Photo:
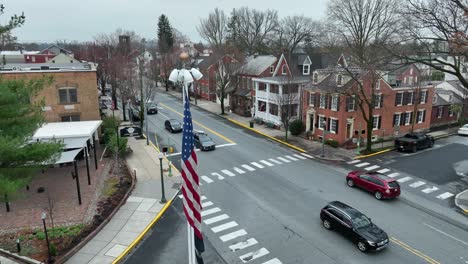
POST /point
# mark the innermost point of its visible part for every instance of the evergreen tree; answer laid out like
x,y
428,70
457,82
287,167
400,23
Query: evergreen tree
x,y
165,35
20,116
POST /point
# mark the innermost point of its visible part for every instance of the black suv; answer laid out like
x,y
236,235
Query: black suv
x,y
203,141
354,225
173,125
151,108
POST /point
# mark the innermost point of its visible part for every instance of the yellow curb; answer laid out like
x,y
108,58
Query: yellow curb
x,y
265,135
373,154
173,167
465,211
142,234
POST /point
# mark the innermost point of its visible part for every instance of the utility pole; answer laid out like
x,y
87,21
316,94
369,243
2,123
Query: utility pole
x,y
142,101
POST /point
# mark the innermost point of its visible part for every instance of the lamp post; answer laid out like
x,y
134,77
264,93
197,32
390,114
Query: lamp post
x,y
323,139
160,157
43,217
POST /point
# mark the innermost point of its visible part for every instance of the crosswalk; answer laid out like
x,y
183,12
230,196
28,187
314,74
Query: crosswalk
x,y
412,183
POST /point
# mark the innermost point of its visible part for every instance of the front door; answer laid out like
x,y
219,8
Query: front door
x,y
349,131
311,122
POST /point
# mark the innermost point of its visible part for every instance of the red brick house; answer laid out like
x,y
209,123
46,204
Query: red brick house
x,y
442,111
403,75
206,86
329,105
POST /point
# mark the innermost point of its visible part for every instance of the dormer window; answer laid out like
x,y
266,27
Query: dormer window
x,y
283,70
450,98
306,69
272,69
339,80
315,77
434,99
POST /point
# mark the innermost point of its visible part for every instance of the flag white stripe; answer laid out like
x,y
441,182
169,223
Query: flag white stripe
x,y
194,186
191,215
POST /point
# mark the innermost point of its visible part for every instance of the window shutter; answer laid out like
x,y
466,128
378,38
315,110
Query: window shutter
x,y
348,101
394,120
402,119
381,101
338,103
425,97
423,115
317,121
405,98
312,99
336,122
412,97
317,100
380,122
410,117
396,99
328,124
418,115
329,101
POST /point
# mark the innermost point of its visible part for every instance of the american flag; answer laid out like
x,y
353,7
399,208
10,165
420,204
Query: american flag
x,y
191,186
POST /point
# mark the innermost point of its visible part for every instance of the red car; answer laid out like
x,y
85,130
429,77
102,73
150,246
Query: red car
x,y
380,185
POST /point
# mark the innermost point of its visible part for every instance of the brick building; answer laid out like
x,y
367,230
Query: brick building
x,y
443,104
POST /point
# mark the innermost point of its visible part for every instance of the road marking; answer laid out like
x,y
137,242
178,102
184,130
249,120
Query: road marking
x,y
445,195
218,175
283,159
254,255
226,145
307,155
207,179
267,163
244,244
239,170
223,227
362,164
233,235
291,158
299,156
206,204
256,165
372,168
405,179
206,128
273,261
210,211
248,167
174,154
216,219
417,184
228,173
430,189
275,161
353,161
443,233
414,251
383,171
393,175
203,197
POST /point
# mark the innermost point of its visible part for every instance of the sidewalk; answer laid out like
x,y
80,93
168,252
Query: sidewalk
x,y
461,201
141,210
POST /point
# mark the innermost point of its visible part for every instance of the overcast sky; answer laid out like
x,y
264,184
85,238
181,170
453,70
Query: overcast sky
x,y
51,20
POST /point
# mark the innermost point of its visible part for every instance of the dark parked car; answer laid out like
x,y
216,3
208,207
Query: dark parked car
x,y
134,114
354,225
413,142
203,141
151,108
173,125
378,184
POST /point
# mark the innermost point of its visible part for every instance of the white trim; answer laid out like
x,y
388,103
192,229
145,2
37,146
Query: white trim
x,y
376,117
401,101
319,121
420,116
325,100
425,97
310,101
304,72
410,102
409,118
331,125
334,97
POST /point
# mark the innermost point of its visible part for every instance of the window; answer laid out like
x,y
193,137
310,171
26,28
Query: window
x,y
450,98
33,58
315,77
312,99
334,102
261,106
273,109
420,117
410,98
274,88
411,71
440,111
333,125
306,69
396,119
410,80
351,103
321,122
376,122
323,101
377,100
404,80
70,118
434,99
272,69
377,85
339,80
399,99
283,70
408,118
423,97
67,95
261,86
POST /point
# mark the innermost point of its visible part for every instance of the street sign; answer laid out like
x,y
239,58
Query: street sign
x,y
130,131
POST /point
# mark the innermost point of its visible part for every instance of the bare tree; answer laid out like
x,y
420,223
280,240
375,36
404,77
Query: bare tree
x,y
225,69
214,29
288,101
296,30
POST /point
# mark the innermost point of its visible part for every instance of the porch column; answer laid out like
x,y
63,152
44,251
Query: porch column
x,y
254,100
94,149
77,179
267,110
87,163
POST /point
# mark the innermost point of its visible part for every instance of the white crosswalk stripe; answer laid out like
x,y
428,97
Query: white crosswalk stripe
x,y
210,211
405,179
307,155
283,159
291,158
383,171
239,170
206,204
217,175
299,156
273,261
267,163
353,161
206,179
372,168
233,235
203,197
430,189
228,173
244,244
417,184
225,226
254,255
393,175
275,161
256,165
445,195
216,219
247,167
362,164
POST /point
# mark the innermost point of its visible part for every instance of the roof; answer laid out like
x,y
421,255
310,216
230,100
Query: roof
x,y
206,62
62,50
62,130
27,67
18,52
256,64
459,86
442,101
281,79
329,83
242,92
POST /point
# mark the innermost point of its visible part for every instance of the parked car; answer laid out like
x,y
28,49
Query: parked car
x,y
203,141
413,142
151,108
376,183
463,131
173,125
354,225
134,113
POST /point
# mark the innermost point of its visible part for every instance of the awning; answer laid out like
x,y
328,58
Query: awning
x,y
68,156
69,143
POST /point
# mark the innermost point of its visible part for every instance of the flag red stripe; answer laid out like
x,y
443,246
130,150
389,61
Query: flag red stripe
x,y
196,212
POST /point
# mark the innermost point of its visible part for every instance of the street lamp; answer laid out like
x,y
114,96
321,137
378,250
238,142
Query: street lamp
x,y
160,157
43,217
323,139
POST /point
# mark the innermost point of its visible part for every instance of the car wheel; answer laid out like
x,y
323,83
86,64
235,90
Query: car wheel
x,y
414,149
362,246
326,224
350,183
431,144
378,195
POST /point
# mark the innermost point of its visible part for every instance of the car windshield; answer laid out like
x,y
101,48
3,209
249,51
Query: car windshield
x,y
175,123
361,221
204,138
393,184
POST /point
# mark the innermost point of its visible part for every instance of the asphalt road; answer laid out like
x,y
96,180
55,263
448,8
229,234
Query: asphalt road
x,y
269,198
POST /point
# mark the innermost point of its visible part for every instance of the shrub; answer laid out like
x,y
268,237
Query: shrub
x,y
296,127
110,122
115,143
332,143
